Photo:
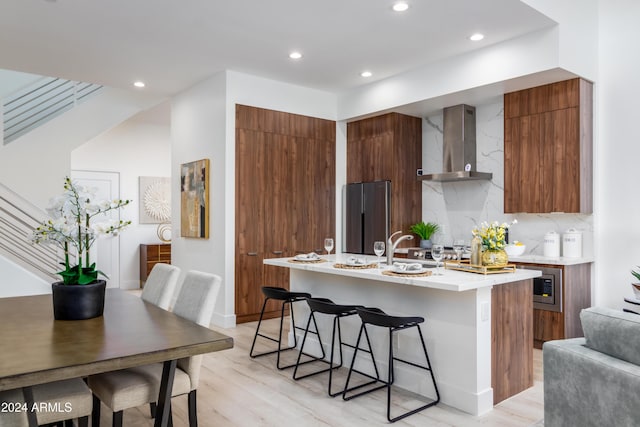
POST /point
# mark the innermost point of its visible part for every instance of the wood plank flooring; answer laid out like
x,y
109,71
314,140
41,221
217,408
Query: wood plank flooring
x,y
236,390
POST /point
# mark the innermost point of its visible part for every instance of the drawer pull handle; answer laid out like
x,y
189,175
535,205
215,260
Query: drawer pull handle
x,y
252,253
277,252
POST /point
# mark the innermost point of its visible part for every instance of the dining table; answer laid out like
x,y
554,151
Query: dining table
x,y
36,349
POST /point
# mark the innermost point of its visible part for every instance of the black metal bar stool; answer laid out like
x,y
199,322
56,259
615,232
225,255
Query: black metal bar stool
x,y
377,317
328,307
287,297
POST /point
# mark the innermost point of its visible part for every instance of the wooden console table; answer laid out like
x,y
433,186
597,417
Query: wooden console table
x,y
151,255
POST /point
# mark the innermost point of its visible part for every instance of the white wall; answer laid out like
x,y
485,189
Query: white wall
x,y
617,151
198,132
16,281
12,81
141,146
578,33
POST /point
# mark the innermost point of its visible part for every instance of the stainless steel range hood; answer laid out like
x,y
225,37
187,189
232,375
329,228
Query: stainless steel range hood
x,y
459,147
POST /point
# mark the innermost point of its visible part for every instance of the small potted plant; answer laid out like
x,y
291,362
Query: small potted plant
x,y
80,294
636,285
425,231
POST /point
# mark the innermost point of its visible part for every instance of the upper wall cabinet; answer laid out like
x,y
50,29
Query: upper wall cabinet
x,y
548,148
389,147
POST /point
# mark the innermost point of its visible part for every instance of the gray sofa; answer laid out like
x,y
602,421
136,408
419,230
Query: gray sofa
x,y
594,381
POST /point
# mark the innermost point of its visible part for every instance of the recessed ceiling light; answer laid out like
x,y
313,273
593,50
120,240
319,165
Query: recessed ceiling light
x,y
295,55
476,37
366,74
139,84
400,6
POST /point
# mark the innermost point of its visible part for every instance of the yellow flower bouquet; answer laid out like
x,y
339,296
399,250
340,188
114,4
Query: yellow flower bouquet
x,y
493,234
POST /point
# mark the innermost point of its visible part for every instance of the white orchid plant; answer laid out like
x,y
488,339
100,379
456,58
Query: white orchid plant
x,y
71,229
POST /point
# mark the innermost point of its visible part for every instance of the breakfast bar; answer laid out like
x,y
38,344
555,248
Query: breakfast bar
x,y
478,328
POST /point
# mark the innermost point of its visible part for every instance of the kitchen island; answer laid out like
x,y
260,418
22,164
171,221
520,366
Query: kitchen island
x,y
478,328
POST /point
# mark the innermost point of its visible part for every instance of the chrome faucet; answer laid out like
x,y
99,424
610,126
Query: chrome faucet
x,y
391,245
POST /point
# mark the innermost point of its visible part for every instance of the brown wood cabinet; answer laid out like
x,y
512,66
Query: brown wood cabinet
x,y
285,197
389,147
576,295
548,148
151,255
511,338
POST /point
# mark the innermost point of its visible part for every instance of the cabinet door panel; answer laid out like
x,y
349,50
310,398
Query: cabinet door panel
x,y
320,181
566,164
547,325
300,206
512,170
277,195
248,283
523,164
249,187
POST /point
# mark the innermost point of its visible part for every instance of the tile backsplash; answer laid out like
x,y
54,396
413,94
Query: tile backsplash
x,y
460,206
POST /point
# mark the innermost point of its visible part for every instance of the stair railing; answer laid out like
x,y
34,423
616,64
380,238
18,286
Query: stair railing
x,y
18,219
36,104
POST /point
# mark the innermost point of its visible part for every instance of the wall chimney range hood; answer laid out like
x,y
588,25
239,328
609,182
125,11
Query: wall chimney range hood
x,y
459,147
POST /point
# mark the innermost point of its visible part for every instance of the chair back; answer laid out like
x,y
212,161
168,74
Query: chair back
x,y
160,285
196,301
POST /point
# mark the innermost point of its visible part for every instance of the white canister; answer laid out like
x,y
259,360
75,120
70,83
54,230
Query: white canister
x,y
572,243
552,244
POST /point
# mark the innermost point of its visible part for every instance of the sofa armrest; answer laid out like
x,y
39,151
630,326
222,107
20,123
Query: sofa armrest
x,y
583,387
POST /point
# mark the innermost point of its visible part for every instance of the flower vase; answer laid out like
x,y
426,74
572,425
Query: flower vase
x,y
78,302
494,258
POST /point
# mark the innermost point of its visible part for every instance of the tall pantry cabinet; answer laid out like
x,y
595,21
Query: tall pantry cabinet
x,y
285,198
389,147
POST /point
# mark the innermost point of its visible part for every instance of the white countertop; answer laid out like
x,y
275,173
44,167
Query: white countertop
x,y
539,259
451,280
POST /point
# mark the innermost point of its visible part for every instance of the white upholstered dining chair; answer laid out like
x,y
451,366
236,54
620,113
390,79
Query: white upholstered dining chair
x,y
63,400
161,285
129,388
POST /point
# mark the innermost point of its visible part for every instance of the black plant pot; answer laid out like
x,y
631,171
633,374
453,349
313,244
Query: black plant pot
x,y
78,302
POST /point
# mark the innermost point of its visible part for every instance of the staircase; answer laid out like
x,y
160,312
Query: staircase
x,y
18,218
47,98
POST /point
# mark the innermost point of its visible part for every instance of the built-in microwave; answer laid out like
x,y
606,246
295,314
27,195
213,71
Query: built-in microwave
x,y
547,289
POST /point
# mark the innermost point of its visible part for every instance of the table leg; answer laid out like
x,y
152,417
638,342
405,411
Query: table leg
x,y
163,410
28,398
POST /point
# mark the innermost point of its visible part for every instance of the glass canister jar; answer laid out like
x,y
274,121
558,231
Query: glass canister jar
x,y
476,250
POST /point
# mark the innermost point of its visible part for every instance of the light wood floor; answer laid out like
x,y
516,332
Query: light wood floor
x,y
236,390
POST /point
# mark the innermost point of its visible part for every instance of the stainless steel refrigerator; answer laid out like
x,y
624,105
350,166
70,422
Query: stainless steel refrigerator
x,y
367,215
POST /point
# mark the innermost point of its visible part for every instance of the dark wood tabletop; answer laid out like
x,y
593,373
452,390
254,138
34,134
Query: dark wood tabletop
x,y
35,348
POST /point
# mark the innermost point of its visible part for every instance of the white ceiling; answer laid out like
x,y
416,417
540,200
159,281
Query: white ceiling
x,y
173,44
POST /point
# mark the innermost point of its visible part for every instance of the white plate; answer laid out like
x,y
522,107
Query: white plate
x,y
306,258
400,271
356,263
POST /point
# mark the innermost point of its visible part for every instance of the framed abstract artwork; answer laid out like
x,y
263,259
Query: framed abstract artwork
x,y
194,199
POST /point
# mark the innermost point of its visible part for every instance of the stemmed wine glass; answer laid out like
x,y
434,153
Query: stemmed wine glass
x,y
378,248
437,252
328,245
458,247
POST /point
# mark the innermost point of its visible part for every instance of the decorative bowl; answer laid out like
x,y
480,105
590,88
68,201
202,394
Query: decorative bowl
x,y
513,249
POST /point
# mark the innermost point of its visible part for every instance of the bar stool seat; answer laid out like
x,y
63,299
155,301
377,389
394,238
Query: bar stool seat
x,y
377,317
328,307
286,297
